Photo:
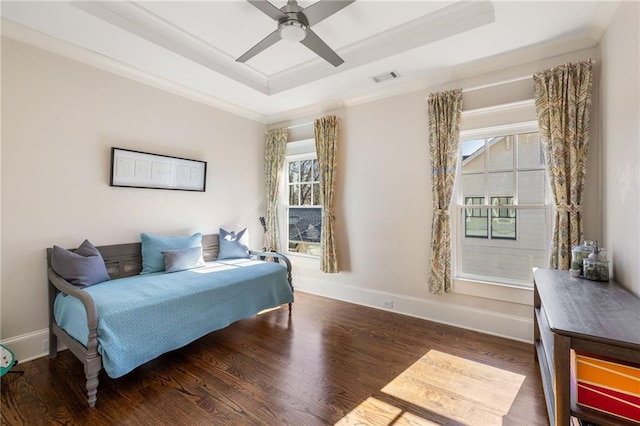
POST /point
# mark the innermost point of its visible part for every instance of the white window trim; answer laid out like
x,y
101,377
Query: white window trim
x,y
296,151
476,286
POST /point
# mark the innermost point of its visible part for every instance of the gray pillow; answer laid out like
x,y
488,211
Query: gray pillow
x,y
153,245
181,260
234,246
82,268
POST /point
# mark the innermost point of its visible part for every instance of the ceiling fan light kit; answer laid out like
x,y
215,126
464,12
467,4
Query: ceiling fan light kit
x,y
292,30
294,24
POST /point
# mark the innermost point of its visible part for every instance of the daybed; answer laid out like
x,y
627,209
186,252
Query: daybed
x,y
131,319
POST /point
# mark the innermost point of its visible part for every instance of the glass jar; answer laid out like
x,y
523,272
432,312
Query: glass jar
x,y
596,269
579,254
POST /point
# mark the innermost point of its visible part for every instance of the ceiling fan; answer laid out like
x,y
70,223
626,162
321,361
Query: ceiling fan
x,y
294,24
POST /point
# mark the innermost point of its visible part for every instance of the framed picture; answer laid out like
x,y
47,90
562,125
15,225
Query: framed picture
x,y
143,170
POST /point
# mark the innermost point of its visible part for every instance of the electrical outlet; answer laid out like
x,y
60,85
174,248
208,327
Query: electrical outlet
x,y
45,345
387,304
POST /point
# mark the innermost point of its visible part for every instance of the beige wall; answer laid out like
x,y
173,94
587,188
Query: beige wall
x,y
59,120
620,51
384,208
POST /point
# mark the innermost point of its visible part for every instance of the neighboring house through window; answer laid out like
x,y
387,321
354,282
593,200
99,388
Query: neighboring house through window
x,y
502,220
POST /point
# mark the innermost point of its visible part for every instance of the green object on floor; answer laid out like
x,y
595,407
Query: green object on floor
x,y
7,360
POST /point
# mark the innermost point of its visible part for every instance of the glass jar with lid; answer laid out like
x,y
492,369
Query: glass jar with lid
x,y
579,254
596,268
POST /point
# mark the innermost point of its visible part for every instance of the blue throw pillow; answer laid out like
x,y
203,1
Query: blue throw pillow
x,y
154,245
234,246
181,260
82,268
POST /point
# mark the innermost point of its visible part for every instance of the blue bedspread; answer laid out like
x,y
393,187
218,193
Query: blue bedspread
x,y
142,317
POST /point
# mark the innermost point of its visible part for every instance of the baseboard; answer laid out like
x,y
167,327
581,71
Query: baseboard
x,y
27,347
489,322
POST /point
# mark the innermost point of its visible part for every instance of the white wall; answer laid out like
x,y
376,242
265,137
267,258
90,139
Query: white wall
x,y
59,120
620,51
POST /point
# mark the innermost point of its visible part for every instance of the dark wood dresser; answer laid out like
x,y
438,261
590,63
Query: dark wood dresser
x,y
599,318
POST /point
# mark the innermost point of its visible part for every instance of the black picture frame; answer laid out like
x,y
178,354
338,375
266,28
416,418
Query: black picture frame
x,y
137,169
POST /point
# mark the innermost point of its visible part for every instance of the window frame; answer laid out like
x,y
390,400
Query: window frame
x,y
458,207
284,196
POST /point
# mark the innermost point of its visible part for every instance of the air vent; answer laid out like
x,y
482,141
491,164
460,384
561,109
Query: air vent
x,y
385,76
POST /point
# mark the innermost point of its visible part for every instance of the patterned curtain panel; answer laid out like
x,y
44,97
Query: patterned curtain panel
x,y
326,133
274,152
563,106
445,110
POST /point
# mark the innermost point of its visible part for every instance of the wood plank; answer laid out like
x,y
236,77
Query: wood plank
x,y
327,363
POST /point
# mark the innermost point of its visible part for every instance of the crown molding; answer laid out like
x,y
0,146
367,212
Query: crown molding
x,y
51,44
134,19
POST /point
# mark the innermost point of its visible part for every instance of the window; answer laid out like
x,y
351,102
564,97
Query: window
x,y
304,209
502,207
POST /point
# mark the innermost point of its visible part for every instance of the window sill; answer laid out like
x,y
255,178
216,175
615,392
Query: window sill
x,y
494,291
303,261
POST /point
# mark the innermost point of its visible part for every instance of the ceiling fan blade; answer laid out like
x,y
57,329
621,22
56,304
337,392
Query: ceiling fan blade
x,y
268,41
268,9
313,42
323,9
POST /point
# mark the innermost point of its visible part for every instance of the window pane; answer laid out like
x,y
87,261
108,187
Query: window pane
x,y
501,184
472,152
476,227
531,187
476,219
501,152
305,225
529,151
294,195
499,260
316,171
306,171
503,227
503,221
305,194
473,185
316,195
294,171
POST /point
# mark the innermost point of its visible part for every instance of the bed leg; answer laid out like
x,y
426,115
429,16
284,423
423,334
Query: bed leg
x,y
290,308
91,370
53,345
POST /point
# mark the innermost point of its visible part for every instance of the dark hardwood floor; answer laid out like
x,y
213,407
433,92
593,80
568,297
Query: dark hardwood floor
x,y
328,363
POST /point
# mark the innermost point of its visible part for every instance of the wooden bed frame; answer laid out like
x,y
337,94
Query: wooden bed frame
x,y
122,260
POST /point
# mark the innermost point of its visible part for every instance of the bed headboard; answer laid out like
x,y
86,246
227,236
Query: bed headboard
x,y
125,260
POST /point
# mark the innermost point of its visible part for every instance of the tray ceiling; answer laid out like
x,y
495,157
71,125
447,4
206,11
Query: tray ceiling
x,y
190,47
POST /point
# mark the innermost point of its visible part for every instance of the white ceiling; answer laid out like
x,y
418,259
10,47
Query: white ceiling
x,y
190,47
